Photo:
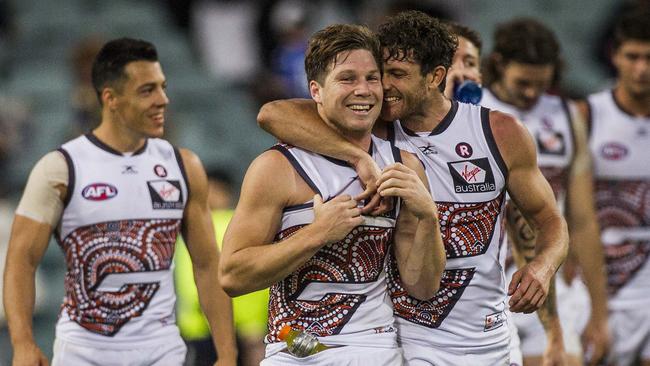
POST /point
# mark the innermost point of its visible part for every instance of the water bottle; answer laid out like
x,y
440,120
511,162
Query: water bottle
x,y
468,92
300,344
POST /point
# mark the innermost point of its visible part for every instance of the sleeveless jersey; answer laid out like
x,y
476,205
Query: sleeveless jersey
x,y
467,177
338,295
117,231
549,123
620,146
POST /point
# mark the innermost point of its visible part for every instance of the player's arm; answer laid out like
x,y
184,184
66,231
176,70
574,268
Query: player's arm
x,y
198,233
250,260
533,196
585,240
419,249
38,212
523,238
296,121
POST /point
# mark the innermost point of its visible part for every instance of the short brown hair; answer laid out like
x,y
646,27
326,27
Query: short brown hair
x,y
326,45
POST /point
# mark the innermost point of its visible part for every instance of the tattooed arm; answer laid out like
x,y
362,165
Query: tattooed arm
x,y
523,238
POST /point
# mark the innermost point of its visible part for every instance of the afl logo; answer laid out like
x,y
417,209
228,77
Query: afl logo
x,y
613,151
160,171
99,192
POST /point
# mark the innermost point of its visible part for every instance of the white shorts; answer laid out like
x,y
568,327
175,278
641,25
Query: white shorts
x,y
630,335
516,358
340,356
170,352
570,300
416,355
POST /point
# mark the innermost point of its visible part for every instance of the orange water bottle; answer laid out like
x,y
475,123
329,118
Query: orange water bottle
x,y
300,344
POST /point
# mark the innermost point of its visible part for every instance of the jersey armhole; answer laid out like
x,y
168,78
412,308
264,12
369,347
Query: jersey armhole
x,y
296,165
181,166
491,142
69,191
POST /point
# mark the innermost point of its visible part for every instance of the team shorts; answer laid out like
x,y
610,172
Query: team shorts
x,y
516,358
169,352
630,336
340,356
416,355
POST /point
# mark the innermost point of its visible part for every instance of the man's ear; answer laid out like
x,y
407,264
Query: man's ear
x,y
436,77
314,90
109,98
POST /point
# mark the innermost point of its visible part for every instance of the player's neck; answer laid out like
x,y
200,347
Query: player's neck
x,y
636,106
433,112
358,138
120,139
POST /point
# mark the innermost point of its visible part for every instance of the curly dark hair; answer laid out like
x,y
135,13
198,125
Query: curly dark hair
x,y
632,25
461,30
417,36
326,44
525,41
109,64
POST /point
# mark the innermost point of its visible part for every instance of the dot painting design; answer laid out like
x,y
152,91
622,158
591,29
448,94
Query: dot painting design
x,y
358,258
95,251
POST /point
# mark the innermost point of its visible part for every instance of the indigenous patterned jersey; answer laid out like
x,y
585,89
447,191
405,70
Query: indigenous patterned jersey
x,y
549,123
620,146
117,231
340,293
467,178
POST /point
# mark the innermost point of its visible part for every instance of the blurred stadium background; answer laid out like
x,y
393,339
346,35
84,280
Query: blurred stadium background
x,y
223,60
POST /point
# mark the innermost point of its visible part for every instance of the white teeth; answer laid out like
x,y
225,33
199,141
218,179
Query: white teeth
x,y
391,99
358,107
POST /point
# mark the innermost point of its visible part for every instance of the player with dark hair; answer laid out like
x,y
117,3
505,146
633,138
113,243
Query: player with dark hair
x,y
619,141
523,66
472,156
324,260
116,199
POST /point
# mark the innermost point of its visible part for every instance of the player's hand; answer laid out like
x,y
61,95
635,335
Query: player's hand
x,y
369,173
457,75
554,354
398,180
529,287
29,355
595,341
336,217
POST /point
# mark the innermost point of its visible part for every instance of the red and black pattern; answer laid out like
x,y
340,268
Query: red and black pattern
x,y
557,178
357,259
623,204
467,228
429,313
96,251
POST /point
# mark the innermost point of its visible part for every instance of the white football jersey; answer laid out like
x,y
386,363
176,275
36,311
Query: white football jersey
x,y
549,123
620,146
339,295
467,178
118,229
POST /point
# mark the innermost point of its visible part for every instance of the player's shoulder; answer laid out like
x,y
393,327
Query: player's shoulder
x,y
506,127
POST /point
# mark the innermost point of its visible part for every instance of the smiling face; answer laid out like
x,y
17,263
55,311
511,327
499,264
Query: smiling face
x,y
404,89
351,93
632,61
139,102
